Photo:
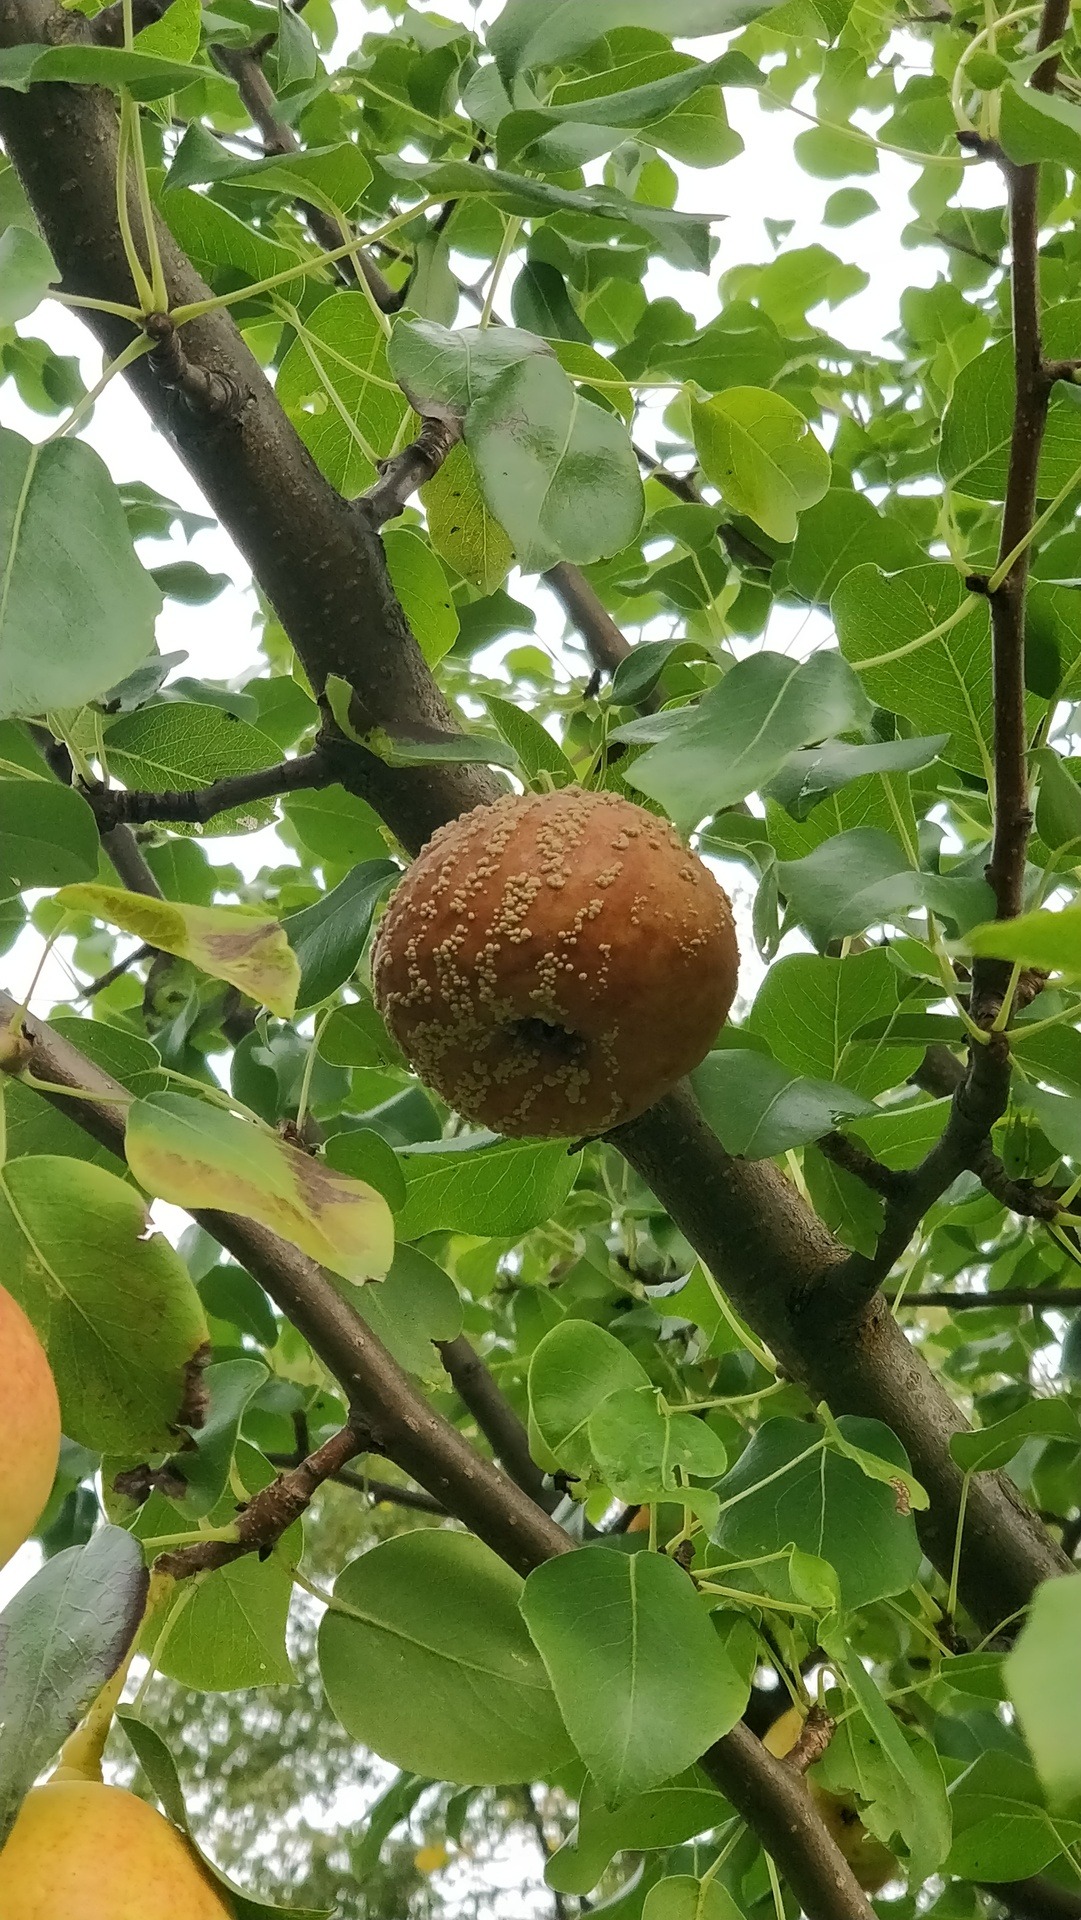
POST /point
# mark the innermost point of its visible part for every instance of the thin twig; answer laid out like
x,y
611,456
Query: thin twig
x,y
272,1511
413,467
115,806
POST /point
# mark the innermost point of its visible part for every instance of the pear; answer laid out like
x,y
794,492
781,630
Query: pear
x,y
80,1850
872,1863
29,1427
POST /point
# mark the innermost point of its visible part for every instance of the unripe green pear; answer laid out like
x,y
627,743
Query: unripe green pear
x,y
83,1851
29,1427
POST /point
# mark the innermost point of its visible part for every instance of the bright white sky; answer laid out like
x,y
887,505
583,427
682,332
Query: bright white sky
x,y
763,183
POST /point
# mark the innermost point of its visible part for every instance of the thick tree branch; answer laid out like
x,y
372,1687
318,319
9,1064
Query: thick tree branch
x,y
496,1418
113,806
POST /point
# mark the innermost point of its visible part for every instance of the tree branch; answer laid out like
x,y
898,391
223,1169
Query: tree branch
x,y
113,805
1045,1299
606,645
496,1418
758,1785
404,472
1012,812
271,1512
378,1490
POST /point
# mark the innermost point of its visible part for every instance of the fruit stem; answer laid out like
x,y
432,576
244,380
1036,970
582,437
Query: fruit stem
x,y
81,1755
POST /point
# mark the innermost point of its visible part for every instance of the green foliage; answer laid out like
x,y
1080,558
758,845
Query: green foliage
x,y
796,526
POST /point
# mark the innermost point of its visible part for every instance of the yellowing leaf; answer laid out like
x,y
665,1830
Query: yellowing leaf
x,y
460,528
239,944
197,1155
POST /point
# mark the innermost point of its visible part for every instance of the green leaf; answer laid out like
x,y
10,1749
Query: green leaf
x,y
682,238
27,271
993,1447
416,1305
197,1155
808,777
539,299
328,937
48,834
824,1505
160,1770
425,1659
422,587
1058,803
231,1633
1041,1673
180,744
936,683
538,754
860,878
571,1374
758,1108
1002,1830
842,531
757,449
483,1184
336,386
521,39
557,472
145,75
356,1036
922,1807
1045,938
114,1306
641,1678
809,1010
740,735
978,421
663,1817
368,1156
449,368
329,176
681,1897
62,1636
1039,126
77,610
336,826
230,1385
638,1446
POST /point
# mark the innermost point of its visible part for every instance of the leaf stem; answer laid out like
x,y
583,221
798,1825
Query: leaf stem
x,y
196,309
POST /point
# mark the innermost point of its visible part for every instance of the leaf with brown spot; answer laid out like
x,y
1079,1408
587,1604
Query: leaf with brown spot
x,y
242,945
197,1155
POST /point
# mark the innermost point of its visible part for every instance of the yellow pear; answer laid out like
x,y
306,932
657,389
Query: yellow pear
x,y
80,1850
29,1427
872,1864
